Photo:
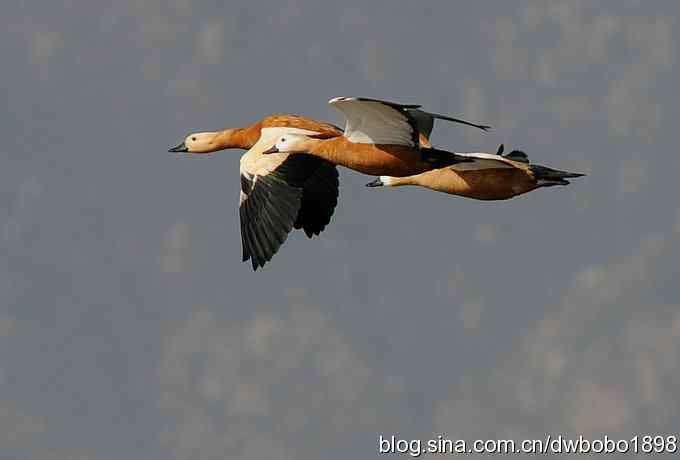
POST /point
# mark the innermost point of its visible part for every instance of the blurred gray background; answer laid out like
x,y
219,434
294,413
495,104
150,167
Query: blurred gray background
x,y
129,328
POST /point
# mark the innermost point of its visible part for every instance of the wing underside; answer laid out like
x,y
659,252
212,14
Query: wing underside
x,y
370,121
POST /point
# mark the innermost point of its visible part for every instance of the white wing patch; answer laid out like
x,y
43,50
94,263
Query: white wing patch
x,y
482,161
374,122
255,163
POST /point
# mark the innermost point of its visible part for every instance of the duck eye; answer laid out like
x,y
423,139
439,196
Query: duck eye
x,y
283,139
193,138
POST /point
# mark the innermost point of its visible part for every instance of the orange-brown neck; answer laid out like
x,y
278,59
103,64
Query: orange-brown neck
x,y
371,159
238,138
326,149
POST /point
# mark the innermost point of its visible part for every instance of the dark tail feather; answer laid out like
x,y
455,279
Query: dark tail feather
x,y
442,158
547,177
518,155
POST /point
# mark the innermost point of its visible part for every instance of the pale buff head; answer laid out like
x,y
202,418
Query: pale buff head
x,y
291,143
200,143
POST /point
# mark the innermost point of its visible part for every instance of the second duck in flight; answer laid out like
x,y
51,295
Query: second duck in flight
x,y
485,177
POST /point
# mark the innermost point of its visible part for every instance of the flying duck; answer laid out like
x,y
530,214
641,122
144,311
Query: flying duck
x,y
278,192
486,177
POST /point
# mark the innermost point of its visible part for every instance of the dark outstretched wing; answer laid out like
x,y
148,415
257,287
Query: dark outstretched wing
x,y
267,212
299,193
320,196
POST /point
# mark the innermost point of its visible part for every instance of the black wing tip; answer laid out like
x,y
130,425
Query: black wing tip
x,y
260,262
485,128
254,261
267,217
